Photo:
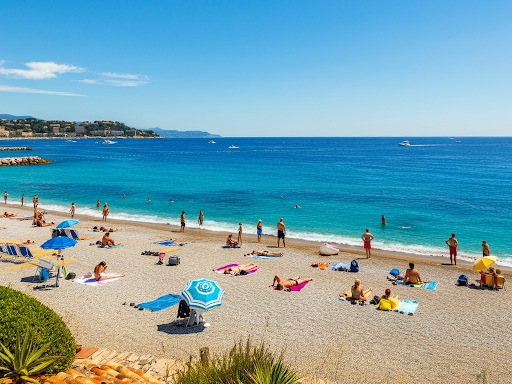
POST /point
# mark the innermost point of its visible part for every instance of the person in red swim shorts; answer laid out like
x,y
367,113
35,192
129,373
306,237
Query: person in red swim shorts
x,y
367,238
453,244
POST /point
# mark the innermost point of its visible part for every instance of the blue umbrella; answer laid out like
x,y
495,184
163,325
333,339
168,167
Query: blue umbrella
x,y
68,223
203,294
59,242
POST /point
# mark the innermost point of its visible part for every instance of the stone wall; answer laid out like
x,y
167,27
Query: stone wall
x,y
27,160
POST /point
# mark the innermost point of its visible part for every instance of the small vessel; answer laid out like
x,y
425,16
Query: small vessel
x,y
328,250
211,142
108,142
404,144
232,147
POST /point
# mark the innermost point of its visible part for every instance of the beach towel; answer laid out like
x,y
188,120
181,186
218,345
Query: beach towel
x,y
407,306
86,238
338,266
263,257
165,242
295,288
430,285
115,246
221,269
320,265
162,302
92,281
228,247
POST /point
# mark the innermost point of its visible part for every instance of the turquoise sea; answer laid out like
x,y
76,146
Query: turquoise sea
x,y
343,185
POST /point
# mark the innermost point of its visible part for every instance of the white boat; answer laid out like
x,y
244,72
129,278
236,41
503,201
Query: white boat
x,y
328,250
404,144
232,147
211,142
108,142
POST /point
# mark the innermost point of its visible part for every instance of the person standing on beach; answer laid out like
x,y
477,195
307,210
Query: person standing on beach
x,y
259,230
200,219
182,229
240,234
5,197
105,211
22,199
35,200
72,210
383,220
453,244
367,238
486,249
98,204
281,232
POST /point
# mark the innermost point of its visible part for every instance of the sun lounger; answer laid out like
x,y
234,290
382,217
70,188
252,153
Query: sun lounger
x,y
25,252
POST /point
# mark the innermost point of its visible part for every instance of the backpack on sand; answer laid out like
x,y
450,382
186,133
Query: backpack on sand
x,y
354,266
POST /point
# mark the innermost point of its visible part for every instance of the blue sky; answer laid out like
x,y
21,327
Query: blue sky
x,y
263,68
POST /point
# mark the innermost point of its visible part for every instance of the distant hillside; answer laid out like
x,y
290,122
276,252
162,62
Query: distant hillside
x,y
182,134
11,117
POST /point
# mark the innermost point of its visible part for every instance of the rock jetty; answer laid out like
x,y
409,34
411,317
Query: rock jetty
x,y
27,160
16,149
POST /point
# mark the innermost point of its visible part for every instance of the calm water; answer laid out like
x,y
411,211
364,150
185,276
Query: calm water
x,y
343,185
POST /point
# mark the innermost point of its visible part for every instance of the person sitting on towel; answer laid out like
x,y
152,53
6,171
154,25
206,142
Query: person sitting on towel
x,y
266,253
230,242
283,284
357,292
99,269
108,241
412,276
388,302
240,269
387,295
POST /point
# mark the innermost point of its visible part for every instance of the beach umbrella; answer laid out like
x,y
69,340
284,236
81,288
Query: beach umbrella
x,y
484,263
203,294
68,223
59,242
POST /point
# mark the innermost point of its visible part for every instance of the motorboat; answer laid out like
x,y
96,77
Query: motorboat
x,y
108,142
232,147
328,250
404,144
211,142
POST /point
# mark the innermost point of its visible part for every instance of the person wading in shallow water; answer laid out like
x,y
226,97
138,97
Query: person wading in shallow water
x,y
453,244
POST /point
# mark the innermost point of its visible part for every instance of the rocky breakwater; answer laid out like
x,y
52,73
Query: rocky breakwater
x,y
16,149
27,160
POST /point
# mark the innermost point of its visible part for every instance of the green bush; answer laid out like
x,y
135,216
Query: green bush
x,y
19,312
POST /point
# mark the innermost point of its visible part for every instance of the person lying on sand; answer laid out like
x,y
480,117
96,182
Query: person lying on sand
x,y
9,215
105,229
99,269
230,242
107,241
28,242
283,284
241,269
265,253
357,292
2,227
43,223
412,276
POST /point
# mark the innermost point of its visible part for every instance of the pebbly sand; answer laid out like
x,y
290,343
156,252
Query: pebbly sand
x,y
455,333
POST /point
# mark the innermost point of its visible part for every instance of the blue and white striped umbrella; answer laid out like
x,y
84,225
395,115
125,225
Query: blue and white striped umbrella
x,y
203,294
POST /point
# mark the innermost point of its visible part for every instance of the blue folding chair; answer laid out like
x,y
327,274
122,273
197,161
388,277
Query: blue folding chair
x,y
12,251
3,251
74,234
25,252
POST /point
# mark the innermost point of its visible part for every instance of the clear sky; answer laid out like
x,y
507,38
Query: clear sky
x,y
263,68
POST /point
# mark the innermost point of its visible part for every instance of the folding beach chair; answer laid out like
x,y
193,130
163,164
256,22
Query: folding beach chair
x,y
13,251
3,251
74,234
45,270
25,252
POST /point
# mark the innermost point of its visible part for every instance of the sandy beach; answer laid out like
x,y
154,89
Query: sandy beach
x,y
454,334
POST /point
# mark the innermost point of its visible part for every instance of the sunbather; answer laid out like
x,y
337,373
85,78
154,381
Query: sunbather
x,y
266,253
412,276
240,269
105,229
43,223
230,242
357,292
282,284
99,269
28,242
8,215
106,240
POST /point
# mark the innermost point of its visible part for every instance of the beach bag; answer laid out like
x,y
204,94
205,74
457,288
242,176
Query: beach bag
x,y
183,310
385,305
174,260
462,281
354,266
70,276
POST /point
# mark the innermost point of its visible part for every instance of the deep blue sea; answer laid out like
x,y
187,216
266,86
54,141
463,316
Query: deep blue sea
x,y
343,185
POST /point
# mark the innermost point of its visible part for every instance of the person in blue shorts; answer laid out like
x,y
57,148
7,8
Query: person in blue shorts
x,y
259,230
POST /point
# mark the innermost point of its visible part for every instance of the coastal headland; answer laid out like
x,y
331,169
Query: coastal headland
x,y
322,336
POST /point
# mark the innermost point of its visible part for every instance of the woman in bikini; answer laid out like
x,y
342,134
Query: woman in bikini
x,y
99,269
105,211
357,292
283,284
266,253
240,269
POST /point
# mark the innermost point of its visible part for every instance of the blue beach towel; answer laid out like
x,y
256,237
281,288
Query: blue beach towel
x,y
228,247
263,257
117,246
162,302
407,306
337,266
165,242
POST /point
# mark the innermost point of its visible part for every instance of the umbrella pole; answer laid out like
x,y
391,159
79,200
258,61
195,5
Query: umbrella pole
x,y
58,268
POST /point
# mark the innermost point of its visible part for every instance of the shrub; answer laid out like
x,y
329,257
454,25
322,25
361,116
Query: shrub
x,y
20,312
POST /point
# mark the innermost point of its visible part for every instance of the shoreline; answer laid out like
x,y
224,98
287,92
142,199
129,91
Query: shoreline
x,y
272,240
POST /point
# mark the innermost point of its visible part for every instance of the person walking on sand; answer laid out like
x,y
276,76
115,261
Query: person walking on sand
x,y
367,238
281,232
72,210
5,197
182,229
105,211
200,219
453,244
22,199
240,234
35,200
486,249
259,230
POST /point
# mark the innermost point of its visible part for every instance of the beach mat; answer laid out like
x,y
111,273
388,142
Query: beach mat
x,y
164,242
295,288
115,246
263,257
431,285
407,306
85,352
167,250
162,302
91,281
228,247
